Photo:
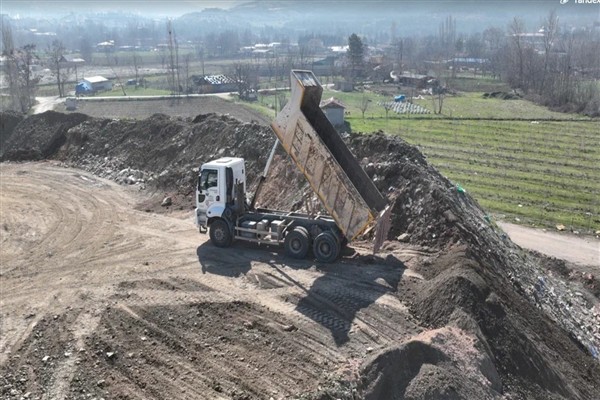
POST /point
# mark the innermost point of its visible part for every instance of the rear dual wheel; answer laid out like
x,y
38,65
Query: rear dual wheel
x,y
326,247
297,243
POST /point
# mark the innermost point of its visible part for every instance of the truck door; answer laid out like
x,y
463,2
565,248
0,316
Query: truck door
x,y
208,190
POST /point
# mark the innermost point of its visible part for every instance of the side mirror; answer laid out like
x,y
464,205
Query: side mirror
x,y
218,198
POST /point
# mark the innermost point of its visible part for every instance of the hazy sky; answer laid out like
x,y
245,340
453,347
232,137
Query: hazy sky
x,y
146,7
174,8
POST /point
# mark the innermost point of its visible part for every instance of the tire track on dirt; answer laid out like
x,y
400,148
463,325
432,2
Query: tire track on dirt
x,y
219,324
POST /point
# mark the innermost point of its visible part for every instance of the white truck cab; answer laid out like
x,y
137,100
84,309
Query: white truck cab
x,y
216,189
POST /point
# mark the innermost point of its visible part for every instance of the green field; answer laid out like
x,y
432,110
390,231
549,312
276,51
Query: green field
x,y
522,162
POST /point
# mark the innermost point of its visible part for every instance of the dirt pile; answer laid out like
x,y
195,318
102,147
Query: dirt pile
x,y
525,324
445,363
163,151
8,121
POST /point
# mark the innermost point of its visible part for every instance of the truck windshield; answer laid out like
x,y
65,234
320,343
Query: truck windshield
x,y
208,179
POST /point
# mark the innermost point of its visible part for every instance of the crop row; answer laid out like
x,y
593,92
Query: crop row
x,y
523,191
505,133
522,175
553,165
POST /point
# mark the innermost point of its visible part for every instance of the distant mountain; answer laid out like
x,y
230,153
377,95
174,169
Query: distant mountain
x,y
367,17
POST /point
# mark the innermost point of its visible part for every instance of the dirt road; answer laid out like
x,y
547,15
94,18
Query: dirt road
x,y
579,250
46,103
101,300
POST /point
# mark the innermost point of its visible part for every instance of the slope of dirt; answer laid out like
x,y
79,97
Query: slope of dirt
x,y
540,332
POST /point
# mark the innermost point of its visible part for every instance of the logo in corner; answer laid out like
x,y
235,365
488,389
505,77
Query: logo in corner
x,y
564,1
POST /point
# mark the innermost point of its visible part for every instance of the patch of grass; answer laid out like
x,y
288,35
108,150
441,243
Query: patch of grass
x,y
542,174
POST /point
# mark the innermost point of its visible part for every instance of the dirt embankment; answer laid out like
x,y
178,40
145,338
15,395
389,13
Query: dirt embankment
x,y
530,333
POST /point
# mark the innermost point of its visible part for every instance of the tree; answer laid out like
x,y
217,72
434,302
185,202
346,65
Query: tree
x,y
17,70
364,104
86,50
550,30
57,51
187,59
246,77
387,106
516,29
447,42
355,54
136,61
173,77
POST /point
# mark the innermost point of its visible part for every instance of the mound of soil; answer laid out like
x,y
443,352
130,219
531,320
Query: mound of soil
x,y
528,325
8,121
446,363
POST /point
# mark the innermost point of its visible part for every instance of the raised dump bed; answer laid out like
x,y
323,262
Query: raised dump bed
x,y
344,188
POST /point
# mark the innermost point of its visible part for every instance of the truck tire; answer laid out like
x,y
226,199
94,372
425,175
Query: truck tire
x,y
326,247
297,243
220,234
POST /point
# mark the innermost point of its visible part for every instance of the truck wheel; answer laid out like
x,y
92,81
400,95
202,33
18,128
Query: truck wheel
x,y
296,243
326,247
220,235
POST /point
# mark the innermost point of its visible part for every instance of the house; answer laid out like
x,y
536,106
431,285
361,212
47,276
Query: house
x,y
213,83
97,83
334,111
68,60
343,86
414,80
324,66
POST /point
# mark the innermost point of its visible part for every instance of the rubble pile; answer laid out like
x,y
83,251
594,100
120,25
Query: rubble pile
x,y
540,332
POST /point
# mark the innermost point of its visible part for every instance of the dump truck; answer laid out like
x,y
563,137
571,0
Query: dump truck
x,y
351,200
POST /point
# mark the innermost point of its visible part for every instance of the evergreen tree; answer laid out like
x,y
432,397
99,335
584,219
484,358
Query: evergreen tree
x,y
355,55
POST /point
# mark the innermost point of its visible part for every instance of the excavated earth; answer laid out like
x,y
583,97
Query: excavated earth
x,y
108,294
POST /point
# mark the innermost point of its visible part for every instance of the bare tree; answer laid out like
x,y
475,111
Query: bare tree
x,y
387,106
174,81
364,104
270,64
136,61
10,67
516,29
57,51
17,70
550,30
246,77
85,49
187,59
447,42
305,53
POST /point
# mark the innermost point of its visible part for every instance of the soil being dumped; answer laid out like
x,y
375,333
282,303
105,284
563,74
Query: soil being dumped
x,y
497,321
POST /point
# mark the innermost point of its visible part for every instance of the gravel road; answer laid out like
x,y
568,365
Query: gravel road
x,y
579,250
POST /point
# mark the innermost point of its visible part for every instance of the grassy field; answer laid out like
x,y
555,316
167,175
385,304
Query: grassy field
x,y
522,162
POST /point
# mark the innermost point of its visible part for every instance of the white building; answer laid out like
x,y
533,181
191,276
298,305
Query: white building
x,y
334,111
98,83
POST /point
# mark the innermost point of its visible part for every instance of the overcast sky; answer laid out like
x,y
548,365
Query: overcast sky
x,y
175,8
146,7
